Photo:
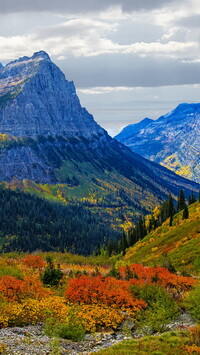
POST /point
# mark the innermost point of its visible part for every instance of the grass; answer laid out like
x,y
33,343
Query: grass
x,y
166,344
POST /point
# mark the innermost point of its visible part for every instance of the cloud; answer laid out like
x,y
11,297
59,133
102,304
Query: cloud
x,y
101,90
78,6
191,22
128,70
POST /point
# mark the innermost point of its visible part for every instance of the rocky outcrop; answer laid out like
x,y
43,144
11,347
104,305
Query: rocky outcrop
x,y
36,99
173,140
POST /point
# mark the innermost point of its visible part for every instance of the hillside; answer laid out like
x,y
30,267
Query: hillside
x,y
178,245
51,146
173,140
29,223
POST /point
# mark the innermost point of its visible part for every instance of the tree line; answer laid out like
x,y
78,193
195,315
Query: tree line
x,y
146,224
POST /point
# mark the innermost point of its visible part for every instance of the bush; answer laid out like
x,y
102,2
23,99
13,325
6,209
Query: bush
x,y
192,304
72,329
161,309
51,275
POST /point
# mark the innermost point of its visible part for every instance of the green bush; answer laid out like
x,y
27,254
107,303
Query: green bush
x,y
161,309
72,329
51,275
192,304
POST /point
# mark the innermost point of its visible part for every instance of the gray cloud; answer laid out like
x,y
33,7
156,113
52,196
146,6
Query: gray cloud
x,y
129,70
192,21
79,6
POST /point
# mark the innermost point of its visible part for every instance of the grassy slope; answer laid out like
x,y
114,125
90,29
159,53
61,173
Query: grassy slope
x,y
180,244
167,343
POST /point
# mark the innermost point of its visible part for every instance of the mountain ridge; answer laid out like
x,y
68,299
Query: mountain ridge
x,y
173,140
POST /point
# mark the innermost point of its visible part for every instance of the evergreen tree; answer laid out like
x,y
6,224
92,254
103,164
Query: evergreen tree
x,y
181,201
185,212
124,243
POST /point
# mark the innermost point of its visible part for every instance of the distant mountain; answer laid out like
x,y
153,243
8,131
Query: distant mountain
x,y
173,140
50,145
131,129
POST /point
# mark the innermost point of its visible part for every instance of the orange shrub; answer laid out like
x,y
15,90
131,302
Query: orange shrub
x,y
33,261
10,288
138,273
32,288
109,291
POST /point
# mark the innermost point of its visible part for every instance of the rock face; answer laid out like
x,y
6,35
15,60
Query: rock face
x,y
47,137
36,99
173,140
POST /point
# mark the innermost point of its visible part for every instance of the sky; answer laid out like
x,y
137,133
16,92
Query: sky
x,y
129,59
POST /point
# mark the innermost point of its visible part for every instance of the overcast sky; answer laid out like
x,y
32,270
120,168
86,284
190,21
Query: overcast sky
x,y
129,59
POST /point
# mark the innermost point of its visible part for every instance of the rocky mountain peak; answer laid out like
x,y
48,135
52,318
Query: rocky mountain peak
x,y
173,140
36,99
41,55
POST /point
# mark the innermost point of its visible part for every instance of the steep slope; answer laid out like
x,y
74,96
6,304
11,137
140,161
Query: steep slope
x,y
173,140
47,137
179,244
42,102
29,223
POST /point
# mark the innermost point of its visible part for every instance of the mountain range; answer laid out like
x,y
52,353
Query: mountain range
x,y
51,145
173,140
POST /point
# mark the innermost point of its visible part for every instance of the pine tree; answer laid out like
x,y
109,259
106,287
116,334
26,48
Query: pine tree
x,y
185,213
181,201
171,209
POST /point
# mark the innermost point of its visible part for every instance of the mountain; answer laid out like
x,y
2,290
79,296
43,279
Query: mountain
x,y
52,146
132,129
173,140
178,245
36,99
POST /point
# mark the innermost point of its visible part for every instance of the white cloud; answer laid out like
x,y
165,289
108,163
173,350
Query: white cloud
x,y
105,89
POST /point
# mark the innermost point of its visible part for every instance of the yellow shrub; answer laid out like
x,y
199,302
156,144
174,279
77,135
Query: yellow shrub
x,y
97,315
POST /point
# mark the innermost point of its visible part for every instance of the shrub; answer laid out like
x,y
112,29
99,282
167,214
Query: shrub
x,y
192,303
161,307
33,261
108,291
72,329
51,275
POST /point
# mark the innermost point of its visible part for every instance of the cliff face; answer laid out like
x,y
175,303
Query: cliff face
x,y
36,99
47,137
173,141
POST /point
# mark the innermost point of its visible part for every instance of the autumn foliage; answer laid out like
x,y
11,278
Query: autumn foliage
x,y
98,300
138,274
108,291
33,261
